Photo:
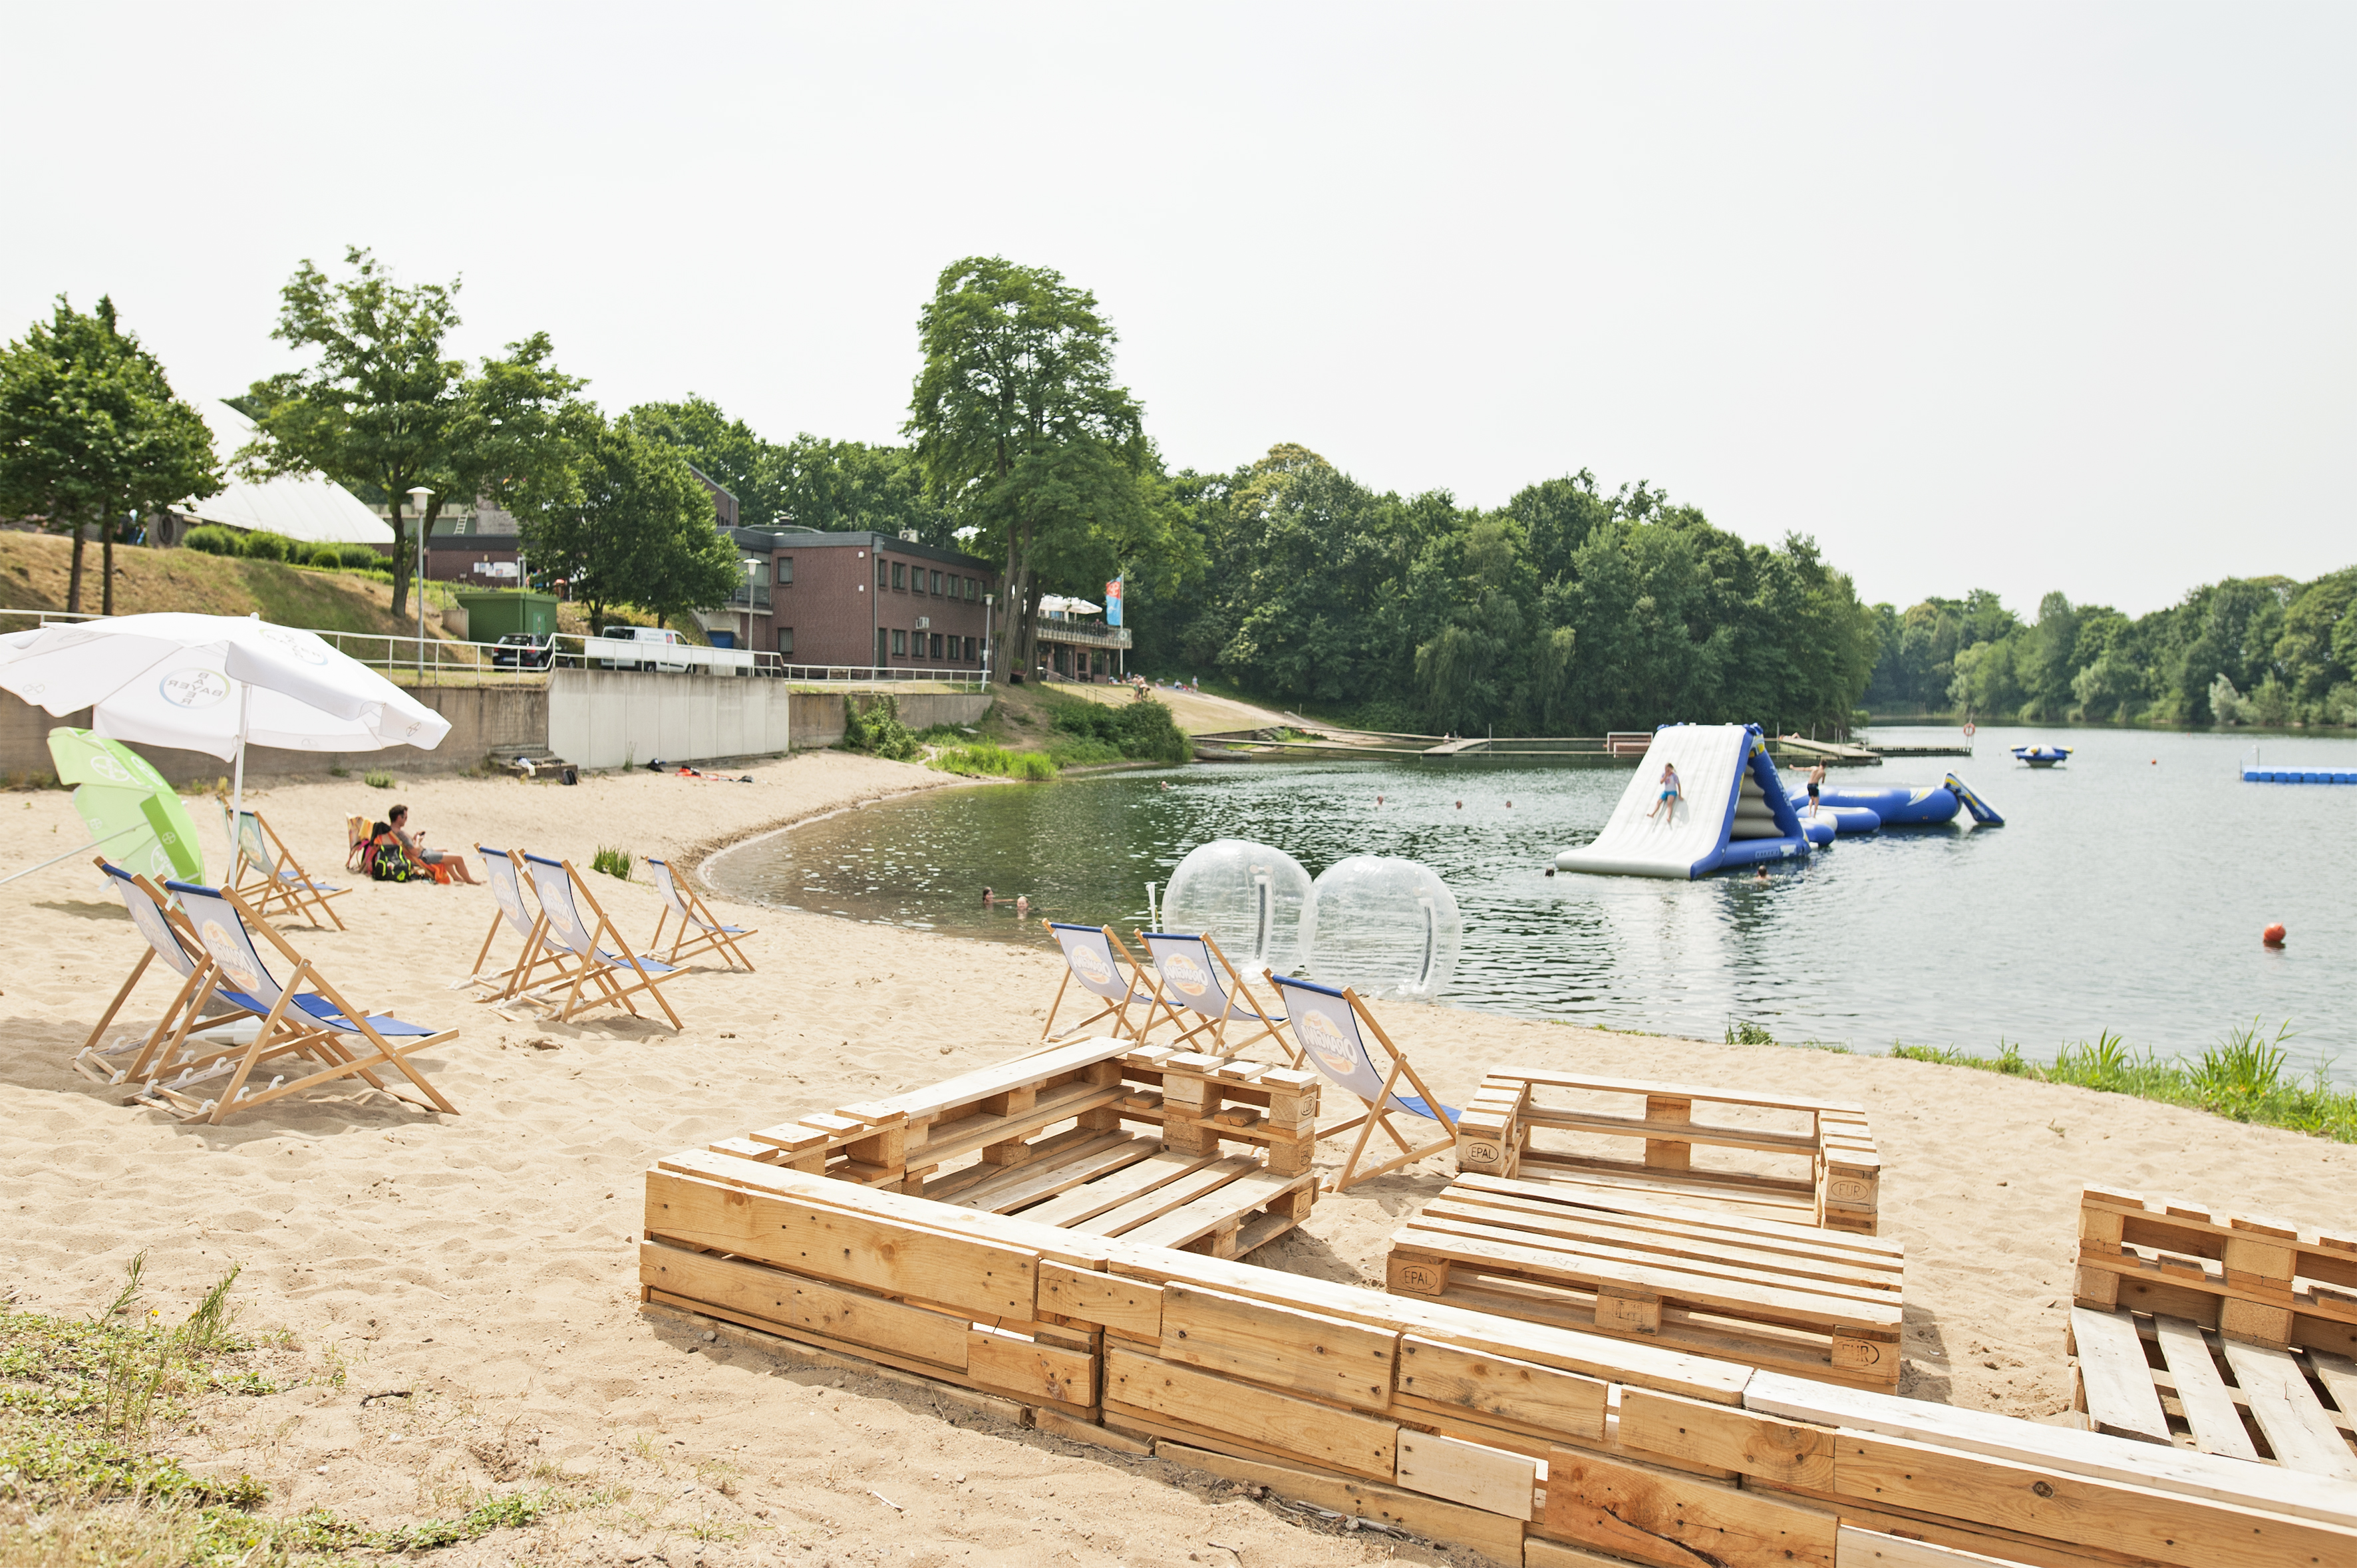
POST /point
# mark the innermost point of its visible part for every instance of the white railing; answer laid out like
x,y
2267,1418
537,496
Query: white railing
x,y
435,661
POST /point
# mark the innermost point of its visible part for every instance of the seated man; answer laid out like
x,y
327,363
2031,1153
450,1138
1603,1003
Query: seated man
x,y
443,863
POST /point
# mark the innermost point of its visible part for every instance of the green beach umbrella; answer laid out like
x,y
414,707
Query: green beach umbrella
x,y
134,818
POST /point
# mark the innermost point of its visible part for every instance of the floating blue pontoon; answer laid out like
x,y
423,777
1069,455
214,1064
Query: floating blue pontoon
x,y
2042,756
2300,775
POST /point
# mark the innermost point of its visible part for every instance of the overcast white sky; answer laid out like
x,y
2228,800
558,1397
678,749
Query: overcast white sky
x,y
2023,297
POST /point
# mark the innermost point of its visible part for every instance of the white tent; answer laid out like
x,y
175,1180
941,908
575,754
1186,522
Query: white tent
x,y
1057,605
311,508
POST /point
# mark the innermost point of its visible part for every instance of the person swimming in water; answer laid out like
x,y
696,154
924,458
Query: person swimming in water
x,y
1670,796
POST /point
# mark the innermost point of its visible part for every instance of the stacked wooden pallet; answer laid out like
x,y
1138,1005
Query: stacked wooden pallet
x,y
1524,1443
1821,1168
2226,1334
1799,1299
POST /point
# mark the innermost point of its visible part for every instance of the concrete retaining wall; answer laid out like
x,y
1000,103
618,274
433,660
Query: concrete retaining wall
x,y
818,716
619,718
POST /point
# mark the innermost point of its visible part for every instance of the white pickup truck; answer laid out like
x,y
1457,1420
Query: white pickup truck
x,y
664,651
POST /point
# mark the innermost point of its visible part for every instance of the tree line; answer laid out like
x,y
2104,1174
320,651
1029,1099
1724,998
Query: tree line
x,y
2264,650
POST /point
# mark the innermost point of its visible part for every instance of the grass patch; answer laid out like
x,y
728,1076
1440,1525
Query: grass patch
x,y
614,863
1080,731
2241,1078
874,726
376,780
984,760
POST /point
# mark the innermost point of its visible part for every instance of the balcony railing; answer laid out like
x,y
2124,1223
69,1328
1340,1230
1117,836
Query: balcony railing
x,y
1083,634
752,596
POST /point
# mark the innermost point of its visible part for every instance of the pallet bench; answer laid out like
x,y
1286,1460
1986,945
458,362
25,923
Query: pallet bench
x,y
1524,1443
1817,1303
1819,1167
2224,1334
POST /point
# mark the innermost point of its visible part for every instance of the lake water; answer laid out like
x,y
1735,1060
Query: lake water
x,y
2125,892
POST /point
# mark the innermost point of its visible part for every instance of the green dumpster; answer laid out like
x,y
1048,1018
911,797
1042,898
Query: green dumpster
x,y
493,615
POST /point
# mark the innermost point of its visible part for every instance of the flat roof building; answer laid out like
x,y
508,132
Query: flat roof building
x,y
859,601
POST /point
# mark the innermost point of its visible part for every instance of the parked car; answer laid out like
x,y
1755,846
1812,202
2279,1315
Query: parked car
x,y
660,636
525,650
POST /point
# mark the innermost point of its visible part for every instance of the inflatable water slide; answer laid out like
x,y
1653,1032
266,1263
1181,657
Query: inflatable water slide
x,y
1735,811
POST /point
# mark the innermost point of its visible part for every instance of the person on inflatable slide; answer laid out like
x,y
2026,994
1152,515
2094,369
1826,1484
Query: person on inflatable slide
x,y
1670,794
1816,783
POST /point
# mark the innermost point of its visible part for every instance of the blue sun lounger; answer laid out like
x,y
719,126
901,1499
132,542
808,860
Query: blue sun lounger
x,y
502,868
617,973
1098,959
1196,976
1327,1023
699,930
279,879
315,1021
170,939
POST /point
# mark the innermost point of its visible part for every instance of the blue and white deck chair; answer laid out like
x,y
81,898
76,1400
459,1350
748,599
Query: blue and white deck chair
x,y
1196,976
305,1016
699,931
1332,1026
1096,958
278,877
170,939
503,869
616,973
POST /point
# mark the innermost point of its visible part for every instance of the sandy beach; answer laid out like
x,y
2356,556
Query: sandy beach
x,y
485,1262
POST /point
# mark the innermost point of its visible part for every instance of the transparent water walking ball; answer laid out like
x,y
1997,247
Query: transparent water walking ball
x,y
1385,927
1253,898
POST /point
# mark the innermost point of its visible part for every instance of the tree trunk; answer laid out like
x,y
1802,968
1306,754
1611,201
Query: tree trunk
x,y
106,566
401,553
74,583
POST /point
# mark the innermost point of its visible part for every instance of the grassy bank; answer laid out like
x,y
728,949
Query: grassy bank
x,y
2241,1078
35,567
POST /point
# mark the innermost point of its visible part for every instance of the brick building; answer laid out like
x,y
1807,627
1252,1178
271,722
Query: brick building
x,y
860,601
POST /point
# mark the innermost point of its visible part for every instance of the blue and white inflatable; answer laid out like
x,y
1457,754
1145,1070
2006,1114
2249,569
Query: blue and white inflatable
x,y
1733,810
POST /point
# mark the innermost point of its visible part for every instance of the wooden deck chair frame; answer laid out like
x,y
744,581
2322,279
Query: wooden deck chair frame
x,y
192,960
1140,988
596,964
283,879
538,952
1383,1106
699,930
289,1029
1213,1025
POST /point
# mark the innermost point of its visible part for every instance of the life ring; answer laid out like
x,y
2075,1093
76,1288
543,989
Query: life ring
x,y
1968,729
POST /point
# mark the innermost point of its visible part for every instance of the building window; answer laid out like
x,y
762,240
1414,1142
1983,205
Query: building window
x,y
900,644
785,571
900,576
785,639
937,584
937,648
880,578
970,587
969,651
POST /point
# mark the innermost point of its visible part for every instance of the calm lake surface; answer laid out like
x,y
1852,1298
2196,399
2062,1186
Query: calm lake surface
x,y
2127,890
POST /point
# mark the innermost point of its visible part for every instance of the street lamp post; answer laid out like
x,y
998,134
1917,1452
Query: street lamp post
x,y
987,653
418,496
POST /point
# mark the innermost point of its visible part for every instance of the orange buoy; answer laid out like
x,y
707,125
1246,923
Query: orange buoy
x,y
2272,936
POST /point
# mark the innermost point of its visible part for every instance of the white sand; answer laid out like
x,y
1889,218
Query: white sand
x,y
486,1260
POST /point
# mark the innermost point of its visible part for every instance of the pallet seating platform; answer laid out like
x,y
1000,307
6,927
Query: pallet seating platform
x,y
1819,1303
2224,1334
1795,1161
884,1234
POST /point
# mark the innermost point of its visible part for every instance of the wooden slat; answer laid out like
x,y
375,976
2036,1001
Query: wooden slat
x,y
1573,1198
1337,1439
1009,1193
1213,1210
1856,1548
1666,1517
2339,1375
1785,1202
1162,1200
950,1139
1502,1387
1030,1368
1113,1301
792,1301
934,1099
2297,1425
2121,1398
1551,1079
1496,1538
2209,1408
1489,1479
1723,1243
1281,1347
1092,1199
1798,1145
1699,1433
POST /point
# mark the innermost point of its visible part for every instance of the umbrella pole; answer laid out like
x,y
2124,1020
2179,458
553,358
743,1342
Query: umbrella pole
x,y
70,853
237,770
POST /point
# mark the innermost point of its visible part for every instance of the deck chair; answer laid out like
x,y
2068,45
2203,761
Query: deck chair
x,y
1098,959
297,1022
276,878
503,869
612,974
169,937
1329,1023
1196,976
698,930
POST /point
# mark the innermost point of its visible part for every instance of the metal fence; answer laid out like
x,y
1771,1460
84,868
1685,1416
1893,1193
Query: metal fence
x,y
438,661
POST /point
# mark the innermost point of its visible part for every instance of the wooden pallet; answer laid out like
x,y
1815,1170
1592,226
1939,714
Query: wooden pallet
x,y
1795,1297
1819,1167
2255,1280
2166,1379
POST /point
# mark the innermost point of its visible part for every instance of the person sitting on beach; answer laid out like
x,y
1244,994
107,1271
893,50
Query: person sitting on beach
x,y
1670,794
441,862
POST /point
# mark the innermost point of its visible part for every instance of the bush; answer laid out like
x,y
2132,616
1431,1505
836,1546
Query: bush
x,y
1141,731
363,558
271,547
612,862
377,780
212,540
875,727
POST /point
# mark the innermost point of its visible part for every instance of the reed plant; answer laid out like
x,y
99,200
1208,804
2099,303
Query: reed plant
x,y
613,861
983,759
2242,1077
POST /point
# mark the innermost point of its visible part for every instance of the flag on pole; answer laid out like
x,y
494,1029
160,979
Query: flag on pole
x,y
1112,602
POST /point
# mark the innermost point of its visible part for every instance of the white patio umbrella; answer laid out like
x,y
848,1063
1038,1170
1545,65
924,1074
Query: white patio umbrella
x,y
213,683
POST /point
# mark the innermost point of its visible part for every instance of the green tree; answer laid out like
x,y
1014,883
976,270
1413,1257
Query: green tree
x,y
726,450
381,409
629,524
92,433
1019,426
839,487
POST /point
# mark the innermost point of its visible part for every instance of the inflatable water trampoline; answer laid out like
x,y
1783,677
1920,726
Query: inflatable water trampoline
x,y
2041,755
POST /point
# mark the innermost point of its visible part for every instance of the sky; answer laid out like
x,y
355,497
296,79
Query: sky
x,y
2023,297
